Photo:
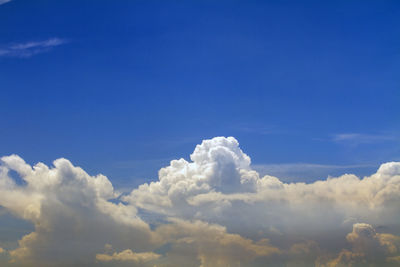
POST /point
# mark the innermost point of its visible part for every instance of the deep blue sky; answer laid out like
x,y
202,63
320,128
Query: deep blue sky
x,y
133,84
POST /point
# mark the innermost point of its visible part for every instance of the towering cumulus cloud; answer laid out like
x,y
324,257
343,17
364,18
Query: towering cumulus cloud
x,y
211,211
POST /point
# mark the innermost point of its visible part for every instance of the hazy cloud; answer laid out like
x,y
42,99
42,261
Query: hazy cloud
x,y
307,172
127,255
359,138
4,1
28,49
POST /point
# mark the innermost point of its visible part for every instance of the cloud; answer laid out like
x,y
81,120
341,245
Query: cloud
x,y
28,49
307,172
359,138
71,213
128,255
213,245
368,248
219,184
214,210
4,1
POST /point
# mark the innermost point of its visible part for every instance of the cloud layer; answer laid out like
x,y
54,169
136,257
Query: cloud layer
x,y
214,210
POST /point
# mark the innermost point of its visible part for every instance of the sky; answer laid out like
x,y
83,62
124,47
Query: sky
x,y
306,90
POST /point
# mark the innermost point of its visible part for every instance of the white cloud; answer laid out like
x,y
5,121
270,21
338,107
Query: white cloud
x,y
219,184
359,138
4,1
71,212
28,49
214,210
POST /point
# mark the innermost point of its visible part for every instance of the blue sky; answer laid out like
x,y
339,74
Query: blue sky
x,y
309,89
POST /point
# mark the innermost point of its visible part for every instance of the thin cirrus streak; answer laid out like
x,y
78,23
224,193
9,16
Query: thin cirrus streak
x,y
358,138
29,49
4,1
213,210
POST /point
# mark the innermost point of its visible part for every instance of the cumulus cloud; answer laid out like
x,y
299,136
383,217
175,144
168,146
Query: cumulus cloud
x,y
213,210
71,213
219,185
28,49
368,248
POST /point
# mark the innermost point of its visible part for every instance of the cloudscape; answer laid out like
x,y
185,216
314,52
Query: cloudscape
x,y
213,210
199,133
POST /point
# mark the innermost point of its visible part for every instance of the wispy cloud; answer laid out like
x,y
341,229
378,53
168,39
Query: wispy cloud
x,y
28,49
360,138
4,1
308,172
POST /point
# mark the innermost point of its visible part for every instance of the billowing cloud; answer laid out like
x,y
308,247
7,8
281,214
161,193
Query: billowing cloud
x,y
28,49
214,210
71,213
368,248
219,185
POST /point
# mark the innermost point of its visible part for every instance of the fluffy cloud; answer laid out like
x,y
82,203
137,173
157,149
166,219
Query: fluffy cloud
x,y
70,212
219,165
219,186
214,210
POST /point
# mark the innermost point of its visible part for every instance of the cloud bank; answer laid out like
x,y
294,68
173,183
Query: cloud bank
x,y
211,211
